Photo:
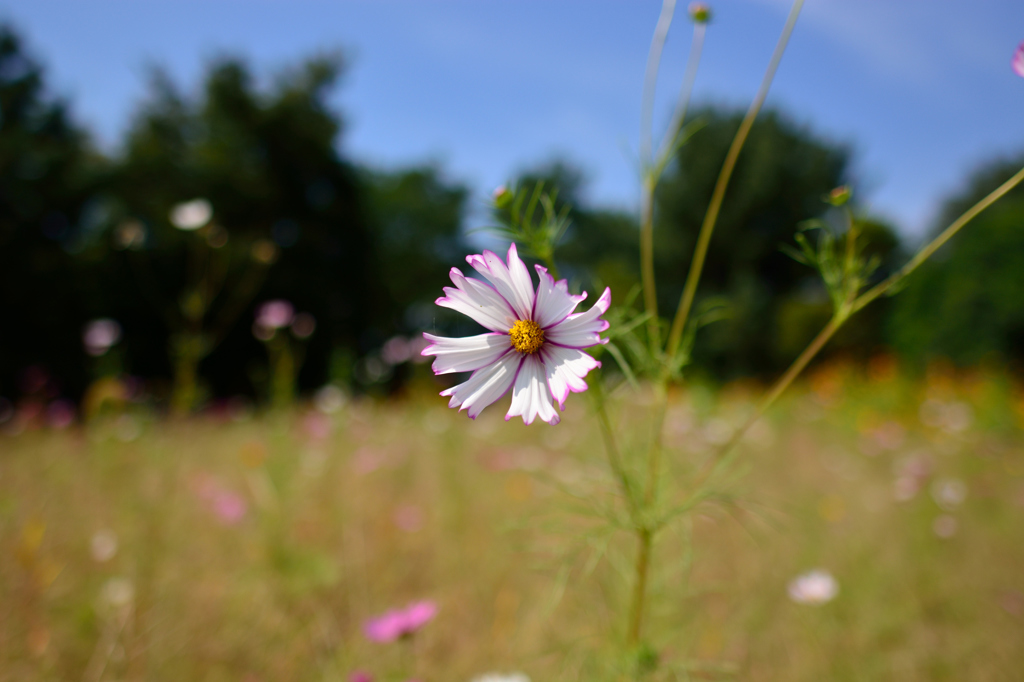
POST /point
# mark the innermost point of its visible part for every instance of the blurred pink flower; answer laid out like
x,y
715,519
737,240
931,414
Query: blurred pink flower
x,y
367,460
99,335
317,426
396,350
1018,60
409,518
60,414
230,507
360,676
400,622
227,505
275,314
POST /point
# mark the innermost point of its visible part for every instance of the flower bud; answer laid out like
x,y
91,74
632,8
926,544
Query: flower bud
x,y
700,13
839,196
502,197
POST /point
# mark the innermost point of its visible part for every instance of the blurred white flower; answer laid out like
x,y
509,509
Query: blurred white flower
x,y
502,677
99,335
952,417
1018,60
191,215
103,546
949,493
395,350
718,431
329,399
814,587
127,428
117,593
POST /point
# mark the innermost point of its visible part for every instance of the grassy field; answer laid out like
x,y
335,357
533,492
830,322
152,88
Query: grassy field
x,y
241,547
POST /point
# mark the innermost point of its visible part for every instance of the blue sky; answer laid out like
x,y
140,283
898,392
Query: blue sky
x,y
921,90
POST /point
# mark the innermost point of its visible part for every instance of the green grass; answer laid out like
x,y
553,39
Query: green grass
x,y
408,500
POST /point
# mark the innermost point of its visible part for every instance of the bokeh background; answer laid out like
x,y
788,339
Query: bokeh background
x,y
166,170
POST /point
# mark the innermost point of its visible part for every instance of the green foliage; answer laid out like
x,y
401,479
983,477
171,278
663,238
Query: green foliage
x,y
966,303
82,237
47,179
779,180
516,211
416,219
749,286
267,163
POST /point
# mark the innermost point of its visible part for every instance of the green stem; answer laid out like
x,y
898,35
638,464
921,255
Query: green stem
x,y
668,8
636,611
667,147
784,382
711,217
612,451
647,264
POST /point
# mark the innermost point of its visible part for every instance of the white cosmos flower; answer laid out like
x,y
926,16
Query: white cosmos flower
x,y
536,342
814,587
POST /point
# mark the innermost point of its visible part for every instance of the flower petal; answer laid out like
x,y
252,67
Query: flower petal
x,y
485,386
512,281
582,330
554,302
465,354
565,369
531,397
479,301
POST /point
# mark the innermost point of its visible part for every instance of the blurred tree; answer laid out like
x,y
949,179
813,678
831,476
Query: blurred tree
x,y
267,164
779,182
47,178
416,219
967,303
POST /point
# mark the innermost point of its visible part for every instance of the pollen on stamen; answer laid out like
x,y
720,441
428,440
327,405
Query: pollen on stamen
x,y
527,337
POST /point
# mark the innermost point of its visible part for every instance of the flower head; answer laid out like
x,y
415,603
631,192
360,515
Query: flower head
x,y
501,677
814,587
100,335
400,622
700,13
535,346
1018,60
275,314
191,215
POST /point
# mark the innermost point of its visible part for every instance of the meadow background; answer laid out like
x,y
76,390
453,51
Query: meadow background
x,y
189,491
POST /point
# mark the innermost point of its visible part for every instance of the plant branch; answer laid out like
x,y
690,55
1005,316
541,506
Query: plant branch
x,y
777,389
679,116
668,8
936,244
711,217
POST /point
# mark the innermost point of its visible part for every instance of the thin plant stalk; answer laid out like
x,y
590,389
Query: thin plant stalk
x,y
823,337
643,530
668,8
711,217
937,243
667,147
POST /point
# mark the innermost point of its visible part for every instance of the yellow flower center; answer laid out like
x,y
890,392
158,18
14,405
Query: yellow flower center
x,y
527,336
